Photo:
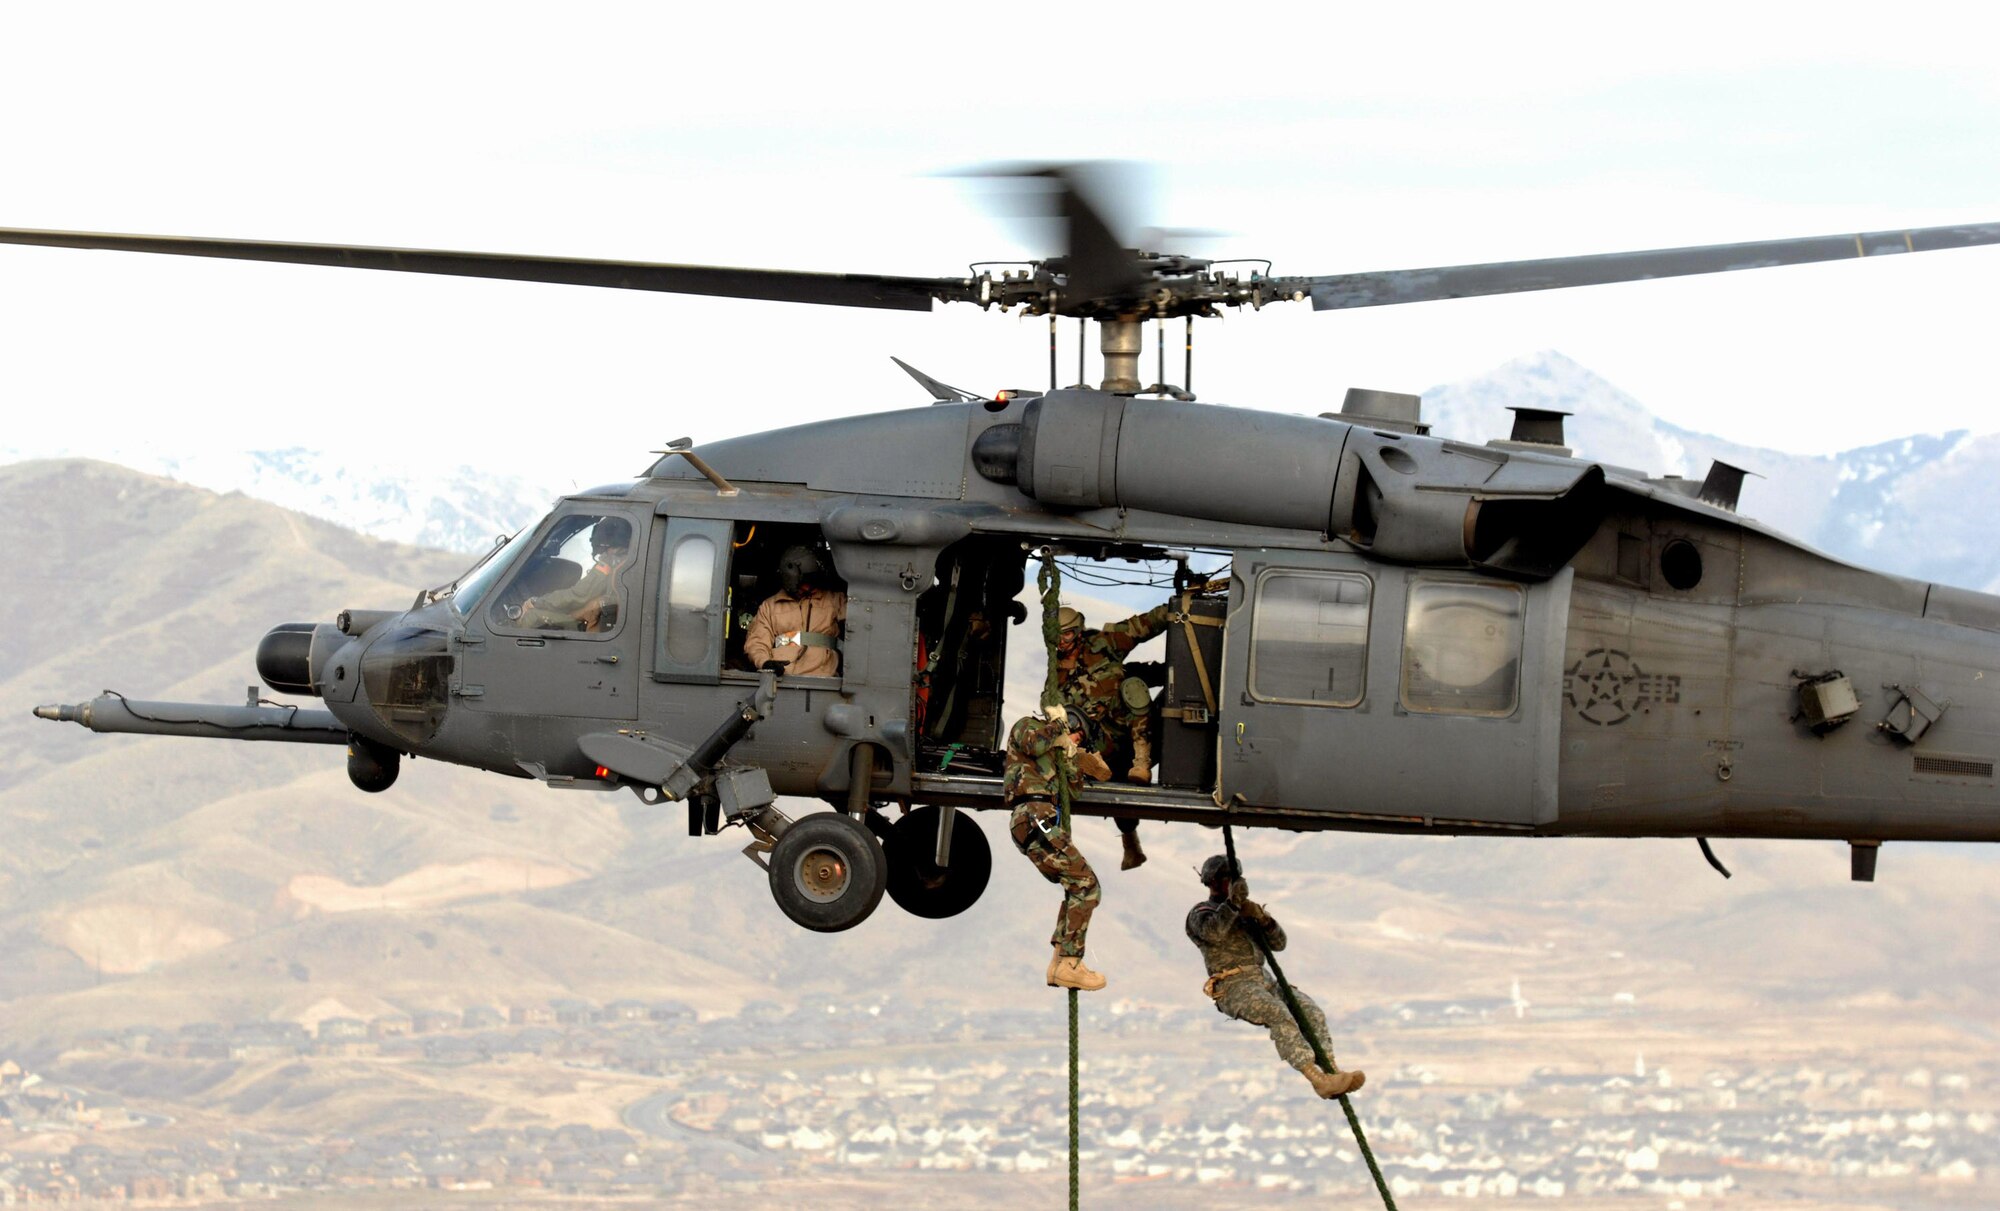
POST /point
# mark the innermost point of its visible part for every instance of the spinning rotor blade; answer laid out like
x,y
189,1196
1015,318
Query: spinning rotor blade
x,y
1345,290
777,285
1097,261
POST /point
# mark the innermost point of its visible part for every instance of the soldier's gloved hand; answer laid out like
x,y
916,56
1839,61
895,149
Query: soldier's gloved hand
x,y
1239,892
1066,742
1255,912
1055,711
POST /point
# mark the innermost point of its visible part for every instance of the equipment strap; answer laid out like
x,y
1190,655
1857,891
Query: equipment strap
x,y
1319,1049
1188,623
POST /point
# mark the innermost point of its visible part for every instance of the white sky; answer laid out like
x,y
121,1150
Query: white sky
x,y
1324,139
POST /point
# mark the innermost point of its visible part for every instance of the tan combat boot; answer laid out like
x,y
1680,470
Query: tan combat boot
x,y
1050,974
1142,762
1337,1083
1069,972
1134,856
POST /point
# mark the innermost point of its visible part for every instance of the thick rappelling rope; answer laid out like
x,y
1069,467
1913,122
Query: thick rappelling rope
x,y
1319,1048
1049,580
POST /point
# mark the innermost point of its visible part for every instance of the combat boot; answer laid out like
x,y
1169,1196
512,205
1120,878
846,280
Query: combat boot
x,y
1134,856
1142,763
1332,1085
1069,972
1050,974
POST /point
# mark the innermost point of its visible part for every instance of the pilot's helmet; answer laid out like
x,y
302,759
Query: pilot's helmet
x,y
611,534
1212,871
797,566
1069,620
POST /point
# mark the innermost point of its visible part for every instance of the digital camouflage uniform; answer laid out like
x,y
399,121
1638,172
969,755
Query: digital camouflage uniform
x,y
1249,994
1029,782
1091,676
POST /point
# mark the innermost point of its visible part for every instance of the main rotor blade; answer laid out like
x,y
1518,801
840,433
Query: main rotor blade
x,y
777,285
1380,289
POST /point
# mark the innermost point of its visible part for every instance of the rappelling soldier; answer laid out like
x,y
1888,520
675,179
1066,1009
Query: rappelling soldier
x,y
1242,987
1090,666
1030,782
799,626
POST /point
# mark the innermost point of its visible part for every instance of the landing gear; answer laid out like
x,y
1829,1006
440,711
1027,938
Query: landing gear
x,y
917,883
827,872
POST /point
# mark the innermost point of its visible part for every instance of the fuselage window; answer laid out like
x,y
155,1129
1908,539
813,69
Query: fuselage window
x,y
1462,648
1309,638
690,591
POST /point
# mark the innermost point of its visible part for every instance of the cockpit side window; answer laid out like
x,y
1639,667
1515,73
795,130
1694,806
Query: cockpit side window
x,y
570,580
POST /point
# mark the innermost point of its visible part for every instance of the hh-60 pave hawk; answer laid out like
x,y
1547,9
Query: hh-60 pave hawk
x,y
1415,634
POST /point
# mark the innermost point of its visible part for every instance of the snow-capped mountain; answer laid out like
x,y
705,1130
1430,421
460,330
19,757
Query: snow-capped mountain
x,y
456,508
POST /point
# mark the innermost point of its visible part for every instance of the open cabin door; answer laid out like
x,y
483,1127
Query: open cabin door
x,y
1368,690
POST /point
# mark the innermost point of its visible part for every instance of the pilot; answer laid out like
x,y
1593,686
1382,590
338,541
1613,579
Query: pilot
x,y
1091,668
799,625
582,606
1238,982
1029,783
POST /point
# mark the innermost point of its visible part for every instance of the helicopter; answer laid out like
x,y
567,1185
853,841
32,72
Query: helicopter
x,y
1401,632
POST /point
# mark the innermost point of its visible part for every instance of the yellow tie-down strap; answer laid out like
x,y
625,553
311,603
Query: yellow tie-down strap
x,y
1189,622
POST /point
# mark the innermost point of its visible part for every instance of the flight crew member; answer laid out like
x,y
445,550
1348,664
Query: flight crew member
x,y
799,625
1029,784
1238,982
1091,671
583,604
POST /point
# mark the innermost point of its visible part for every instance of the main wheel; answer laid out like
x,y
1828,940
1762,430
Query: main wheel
x,y
916,882
827,873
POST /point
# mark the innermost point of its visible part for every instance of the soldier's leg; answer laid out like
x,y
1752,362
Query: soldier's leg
x,y
1249,999
1140,745
1081,893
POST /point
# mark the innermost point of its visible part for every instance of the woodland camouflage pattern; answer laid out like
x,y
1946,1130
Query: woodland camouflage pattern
x,y
1216,928
1031,778
1090,676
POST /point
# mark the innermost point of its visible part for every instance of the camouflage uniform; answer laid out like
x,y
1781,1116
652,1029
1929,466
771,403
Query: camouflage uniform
x,y
1248,993
1029,782
1091,676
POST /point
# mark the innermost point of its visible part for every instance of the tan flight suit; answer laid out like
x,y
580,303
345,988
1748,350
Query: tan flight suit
x,y
580,606
802,632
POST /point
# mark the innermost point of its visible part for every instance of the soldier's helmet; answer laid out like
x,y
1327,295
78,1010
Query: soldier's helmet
x,y
1069,620
797,566
1218,868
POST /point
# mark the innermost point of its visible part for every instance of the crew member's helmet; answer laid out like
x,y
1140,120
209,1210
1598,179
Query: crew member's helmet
x,y
798,566
611,534
1069,620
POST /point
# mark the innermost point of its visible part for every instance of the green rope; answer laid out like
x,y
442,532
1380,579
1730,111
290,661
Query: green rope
x,y
1298,1015
1073,1182
1049,580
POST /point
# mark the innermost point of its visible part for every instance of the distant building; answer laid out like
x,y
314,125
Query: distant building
x,y
342,1030
431,1021
482,1017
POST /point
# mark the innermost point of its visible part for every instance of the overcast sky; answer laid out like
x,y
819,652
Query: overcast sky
x,y
1324,139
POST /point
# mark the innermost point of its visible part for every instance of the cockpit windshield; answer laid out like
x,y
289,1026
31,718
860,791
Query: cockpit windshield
x,y
474,584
